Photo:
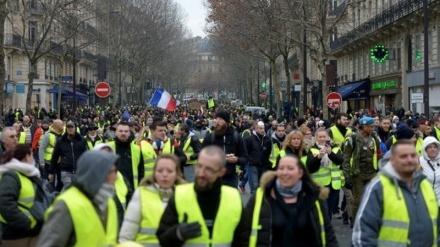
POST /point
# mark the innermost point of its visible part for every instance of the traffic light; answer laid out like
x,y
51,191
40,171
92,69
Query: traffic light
x,y
263,84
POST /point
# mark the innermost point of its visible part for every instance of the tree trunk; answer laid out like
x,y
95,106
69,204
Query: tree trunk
x,y
276,87
287,72
3,13
30,88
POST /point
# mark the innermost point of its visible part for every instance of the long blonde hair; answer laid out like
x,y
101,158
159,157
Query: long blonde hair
x,y
289,137
151,180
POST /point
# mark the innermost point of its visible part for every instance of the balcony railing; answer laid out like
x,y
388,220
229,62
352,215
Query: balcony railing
x,y
13,40
399,10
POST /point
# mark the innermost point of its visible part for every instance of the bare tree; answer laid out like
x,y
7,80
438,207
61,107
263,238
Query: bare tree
x,y
3,14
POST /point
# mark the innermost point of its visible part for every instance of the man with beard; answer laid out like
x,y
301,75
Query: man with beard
x,y
384,132
204,213
130,164
277,139
339,131
228,139
272,128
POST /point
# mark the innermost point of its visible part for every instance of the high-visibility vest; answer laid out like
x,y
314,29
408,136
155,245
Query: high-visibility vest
x,y
374,155
326,175
274,154
246,131
395,226
211,103
149,154
87,225
25,200
135,156
17,116
419,145
256,219
42,136
22,138
337,136
152,210
189,151
90,144
437,132
121,190
227,218
48,151
303,159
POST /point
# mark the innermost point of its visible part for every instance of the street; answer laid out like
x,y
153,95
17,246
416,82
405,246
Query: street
x,y
342,232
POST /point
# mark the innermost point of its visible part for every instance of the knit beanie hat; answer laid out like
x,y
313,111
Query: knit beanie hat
x,y
404,132
223,115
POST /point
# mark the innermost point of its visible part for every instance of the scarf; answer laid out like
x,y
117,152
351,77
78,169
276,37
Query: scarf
x,y
26,169
101,199
165,194
289,192
325,161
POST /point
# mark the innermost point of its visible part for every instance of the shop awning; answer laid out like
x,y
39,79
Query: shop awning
x,y
356,90
69,92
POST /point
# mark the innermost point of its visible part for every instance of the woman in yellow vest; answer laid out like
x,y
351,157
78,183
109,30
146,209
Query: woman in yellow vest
x,y
149,201
288,209
294,144
324,164
17,194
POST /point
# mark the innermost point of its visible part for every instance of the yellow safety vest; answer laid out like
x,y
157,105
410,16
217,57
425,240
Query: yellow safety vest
x,y
90,144
149,155
437,132
152,210
135,156
303,159
188,150
121,190
256,219
48,151
88,227
419,145
326,175
211,103
374,155
25,200
227,218
337,136
22,139
274,154
395,226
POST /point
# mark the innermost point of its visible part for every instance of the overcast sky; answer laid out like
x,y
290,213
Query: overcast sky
x,y
196,16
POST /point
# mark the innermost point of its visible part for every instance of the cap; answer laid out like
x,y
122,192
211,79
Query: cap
x,y
70,123
92,126
366,121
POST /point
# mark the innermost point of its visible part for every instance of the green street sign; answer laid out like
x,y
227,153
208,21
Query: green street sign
x,y
383,85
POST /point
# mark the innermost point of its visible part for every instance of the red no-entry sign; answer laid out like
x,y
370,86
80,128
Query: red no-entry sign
x,y
102,89
334,100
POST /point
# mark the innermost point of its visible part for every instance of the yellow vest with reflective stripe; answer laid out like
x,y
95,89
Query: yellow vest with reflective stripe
x,y
188,150
337,136
211,103
135,156
152,210
395,226
274,154
90,144
326,175
121,190
303,159
22,139
227,218
48,151
256,219
149,155
25,200
87,225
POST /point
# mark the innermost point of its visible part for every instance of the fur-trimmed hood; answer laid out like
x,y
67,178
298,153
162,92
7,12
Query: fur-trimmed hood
x,y
268,178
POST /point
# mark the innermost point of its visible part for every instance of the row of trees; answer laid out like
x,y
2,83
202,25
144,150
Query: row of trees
x,y
141,39
263,31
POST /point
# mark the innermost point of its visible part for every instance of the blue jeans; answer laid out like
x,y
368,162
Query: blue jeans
x,y
245,177
254,177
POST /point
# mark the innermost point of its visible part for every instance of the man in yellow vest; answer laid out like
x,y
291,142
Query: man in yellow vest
x,y
92,138
191,146
85,214
436,128
47,144
399,206
204,213
360,159
340,130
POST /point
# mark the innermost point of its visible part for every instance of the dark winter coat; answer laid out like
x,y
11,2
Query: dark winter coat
x,y
68,151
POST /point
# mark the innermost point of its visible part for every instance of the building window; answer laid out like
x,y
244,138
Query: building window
x,y
418,50
32,32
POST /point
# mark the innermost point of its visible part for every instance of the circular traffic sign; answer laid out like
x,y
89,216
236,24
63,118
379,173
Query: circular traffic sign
x,y
334,100
263,96
102,89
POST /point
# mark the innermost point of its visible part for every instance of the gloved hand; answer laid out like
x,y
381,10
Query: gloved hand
x,y
187,231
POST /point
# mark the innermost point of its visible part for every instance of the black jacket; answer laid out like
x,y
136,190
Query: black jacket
x,y
227,143
195,145
310,193
259,150
68,151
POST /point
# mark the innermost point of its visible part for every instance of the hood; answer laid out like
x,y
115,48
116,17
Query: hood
x,y
389,171
92,170
29,170
429,140
268,178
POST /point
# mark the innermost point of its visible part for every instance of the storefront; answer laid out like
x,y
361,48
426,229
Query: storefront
x,y
385,94
415,82
356,94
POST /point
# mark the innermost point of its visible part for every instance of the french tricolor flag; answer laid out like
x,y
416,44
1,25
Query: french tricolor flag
x,y
163,99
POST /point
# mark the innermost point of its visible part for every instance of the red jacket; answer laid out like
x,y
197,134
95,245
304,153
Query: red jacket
x,y
36,138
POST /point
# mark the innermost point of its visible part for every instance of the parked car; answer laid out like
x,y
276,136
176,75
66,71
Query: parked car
x,y
256,109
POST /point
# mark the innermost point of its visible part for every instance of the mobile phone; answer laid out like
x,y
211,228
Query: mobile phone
x,y
327,143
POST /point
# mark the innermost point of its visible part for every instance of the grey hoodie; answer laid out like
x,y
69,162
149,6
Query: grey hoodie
x,y
431,167
92,170
369,217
